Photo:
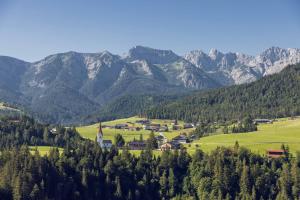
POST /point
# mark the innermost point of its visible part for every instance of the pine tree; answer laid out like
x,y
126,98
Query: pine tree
x,y
35,193
172,183
46,135
253,194
163,182
295,173
17,193
285,183
118,192
244,182
84,178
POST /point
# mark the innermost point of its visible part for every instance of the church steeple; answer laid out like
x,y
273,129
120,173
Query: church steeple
x,y
100,129
100,135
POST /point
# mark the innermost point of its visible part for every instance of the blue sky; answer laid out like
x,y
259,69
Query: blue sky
x,y
33,29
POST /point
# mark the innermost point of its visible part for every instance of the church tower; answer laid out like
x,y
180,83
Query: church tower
x,y
100,136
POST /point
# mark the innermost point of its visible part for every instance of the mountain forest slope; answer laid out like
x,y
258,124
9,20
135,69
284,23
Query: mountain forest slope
x,y
274,96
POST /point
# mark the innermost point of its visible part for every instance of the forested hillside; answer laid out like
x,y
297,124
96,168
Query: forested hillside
x,y
271,97
87,172
18,131
130,105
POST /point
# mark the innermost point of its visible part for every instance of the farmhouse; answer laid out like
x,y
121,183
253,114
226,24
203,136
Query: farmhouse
x,y
275,153
107,144
165,147
121,126
160,140
169,146
188,125
263,121
164,128
107,126
143,121
152,127
137,145
176,127
181,139
53,131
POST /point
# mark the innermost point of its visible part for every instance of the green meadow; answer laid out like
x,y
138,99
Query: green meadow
x,y
269,136
43,150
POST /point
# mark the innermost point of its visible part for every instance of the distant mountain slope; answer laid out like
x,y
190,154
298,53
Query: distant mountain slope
x,y
130,105
65,87
237,68
273,96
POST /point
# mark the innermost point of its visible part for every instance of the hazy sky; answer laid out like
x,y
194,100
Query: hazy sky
x,y
33,29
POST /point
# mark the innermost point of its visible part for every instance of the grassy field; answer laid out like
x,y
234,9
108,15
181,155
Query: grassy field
x,y
269,136
43,150
91,130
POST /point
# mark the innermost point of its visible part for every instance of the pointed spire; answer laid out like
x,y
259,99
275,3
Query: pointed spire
x,y
100,128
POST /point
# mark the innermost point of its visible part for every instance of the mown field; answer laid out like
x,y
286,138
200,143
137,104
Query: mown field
x,y
269,136
90,131
43,150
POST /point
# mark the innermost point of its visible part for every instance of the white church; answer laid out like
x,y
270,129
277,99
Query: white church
x,y
104,144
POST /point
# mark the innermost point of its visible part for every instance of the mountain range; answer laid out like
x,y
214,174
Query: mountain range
x,y
64,87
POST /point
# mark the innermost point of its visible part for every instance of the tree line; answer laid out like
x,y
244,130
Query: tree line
x,y
16,131
88,172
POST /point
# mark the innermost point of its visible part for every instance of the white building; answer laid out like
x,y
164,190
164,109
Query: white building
x,y
107,144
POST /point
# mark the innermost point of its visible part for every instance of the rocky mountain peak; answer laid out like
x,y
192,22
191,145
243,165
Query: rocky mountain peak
x,y
154,56
215,54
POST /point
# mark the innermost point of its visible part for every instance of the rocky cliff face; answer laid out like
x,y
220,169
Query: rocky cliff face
x,y
237,68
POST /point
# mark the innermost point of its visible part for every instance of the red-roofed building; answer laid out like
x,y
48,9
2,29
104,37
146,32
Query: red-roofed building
x,y
275,153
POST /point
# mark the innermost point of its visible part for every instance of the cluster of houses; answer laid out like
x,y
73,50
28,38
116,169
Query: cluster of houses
x,y
163,143
146,124
123,127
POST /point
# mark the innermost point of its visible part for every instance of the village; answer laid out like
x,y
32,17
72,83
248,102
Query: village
x,y
182,134
159,130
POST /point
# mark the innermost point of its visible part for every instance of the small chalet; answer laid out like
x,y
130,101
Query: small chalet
x,y
176,127
263,121
121,126
188,125
152,127
164,128
107,126
53,131
181,139
137,145
169,146
143,121
160,140
272,153
107,144
166,146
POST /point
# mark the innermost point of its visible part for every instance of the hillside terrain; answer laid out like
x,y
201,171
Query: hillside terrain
x,y
68,87
273,96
